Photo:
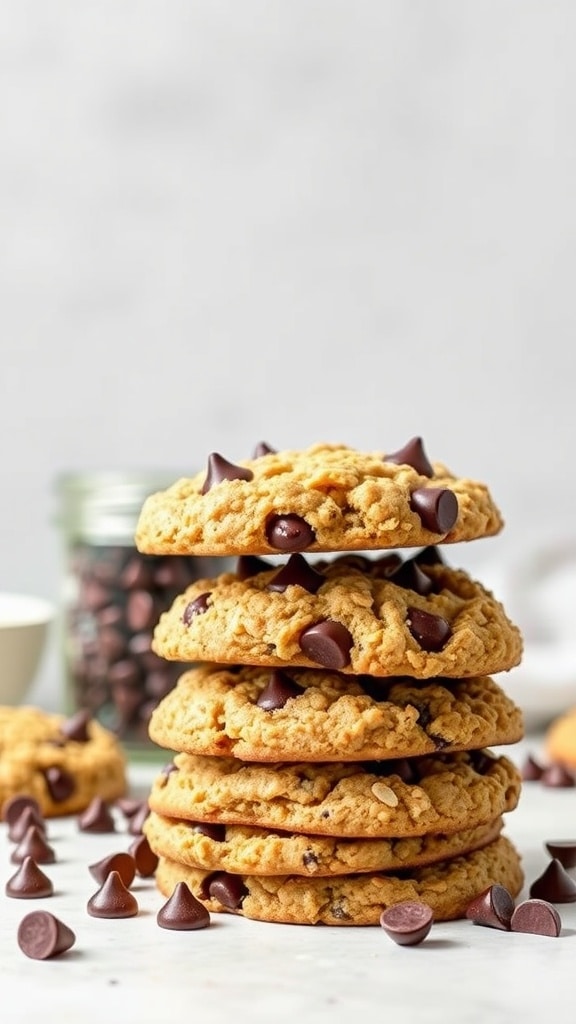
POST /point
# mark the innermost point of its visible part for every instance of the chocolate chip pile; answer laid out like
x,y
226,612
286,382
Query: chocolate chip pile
x,y
43,935
240,635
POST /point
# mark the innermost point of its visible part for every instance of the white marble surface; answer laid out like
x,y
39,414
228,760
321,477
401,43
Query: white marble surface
x,y
133,971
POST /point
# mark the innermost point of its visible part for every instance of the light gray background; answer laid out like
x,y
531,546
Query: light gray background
x,y
350,220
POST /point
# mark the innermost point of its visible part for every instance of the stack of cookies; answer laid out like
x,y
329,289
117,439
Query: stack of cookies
x,y
331,743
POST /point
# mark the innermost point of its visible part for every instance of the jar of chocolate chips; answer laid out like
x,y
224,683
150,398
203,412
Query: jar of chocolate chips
x,y
112,599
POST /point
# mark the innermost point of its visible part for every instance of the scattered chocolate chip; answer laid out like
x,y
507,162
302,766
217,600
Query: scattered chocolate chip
x,y
328,643
196,607
75,728
112,899
29,882
19,828
60,783
97,817
250,565
431,631
279,688
563,850
33,845
556,776
182,911
13,808
137,820
531,770
296,573
412,454
41,935
536,916
289,533
384,567
481,761
436,506
128,805
219,470
123,863
554,885
410,575
212,829
144,857
493,908
407,923
228,889
262,449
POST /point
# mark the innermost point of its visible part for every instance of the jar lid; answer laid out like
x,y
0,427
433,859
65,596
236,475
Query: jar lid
x,y
104,507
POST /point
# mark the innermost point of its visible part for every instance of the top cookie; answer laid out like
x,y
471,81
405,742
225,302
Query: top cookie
x,y
326,498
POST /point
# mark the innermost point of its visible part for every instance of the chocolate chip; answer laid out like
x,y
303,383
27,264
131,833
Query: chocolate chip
x,y
182,911
310,861
211,829
563,850
556,776
228,889
137,574
196,607
29,882
296,573
250,565
480,761
262,449
493,908
112,899
538,917
141,610
13,807
33,845
41,935
123,863
430,631
554,885
97,817
136,823
436,506
429,555
279,688
289,533
144,857
219,470
19,828
59,783
410,575
407,923
128,805
75,728
328,643
412,454
531,770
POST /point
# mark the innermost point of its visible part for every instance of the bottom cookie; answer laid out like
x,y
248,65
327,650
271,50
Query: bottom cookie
x,y
447,887
242,848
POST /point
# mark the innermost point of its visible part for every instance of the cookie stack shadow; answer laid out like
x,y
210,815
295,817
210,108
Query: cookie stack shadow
x,y
331,748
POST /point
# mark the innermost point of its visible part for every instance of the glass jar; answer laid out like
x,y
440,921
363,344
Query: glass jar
x,y
113,597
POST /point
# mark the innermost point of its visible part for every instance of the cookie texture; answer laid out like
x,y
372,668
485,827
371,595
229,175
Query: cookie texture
x,y
347,617
241,849
249,713
328,497
384,799
41,755
447,887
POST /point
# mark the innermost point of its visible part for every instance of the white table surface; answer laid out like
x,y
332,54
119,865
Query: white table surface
x,y
239,970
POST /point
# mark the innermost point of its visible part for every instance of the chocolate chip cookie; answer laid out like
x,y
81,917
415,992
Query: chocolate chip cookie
x,y
447,887
354,615
251,850
371,799
328,497
258,714
62,762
